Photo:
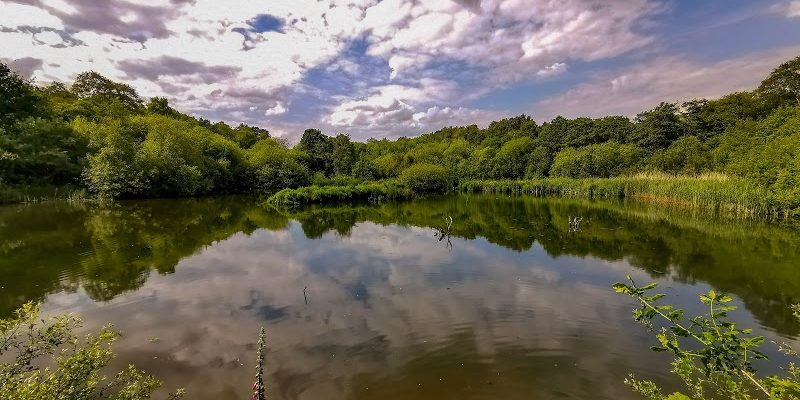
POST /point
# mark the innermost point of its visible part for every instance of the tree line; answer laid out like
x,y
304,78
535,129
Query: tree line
x,y
101,135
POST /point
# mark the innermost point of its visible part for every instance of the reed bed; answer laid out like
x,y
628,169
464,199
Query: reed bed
x,y
35,194
709,192
371,191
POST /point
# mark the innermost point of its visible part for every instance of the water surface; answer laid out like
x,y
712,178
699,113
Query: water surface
x,y
364,302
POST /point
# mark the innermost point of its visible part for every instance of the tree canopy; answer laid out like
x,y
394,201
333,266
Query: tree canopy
x,y
100,134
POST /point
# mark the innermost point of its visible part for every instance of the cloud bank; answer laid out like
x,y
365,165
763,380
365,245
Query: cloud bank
x,y
368,67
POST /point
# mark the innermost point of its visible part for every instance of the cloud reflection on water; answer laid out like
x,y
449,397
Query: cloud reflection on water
x,y
387,306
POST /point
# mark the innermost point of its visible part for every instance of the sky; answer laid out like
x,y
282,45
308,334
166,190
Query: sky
x,y
391,68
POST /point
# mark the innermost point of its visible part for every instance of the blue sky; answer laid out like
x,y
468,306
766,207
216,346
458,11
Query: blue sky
x,y
394,68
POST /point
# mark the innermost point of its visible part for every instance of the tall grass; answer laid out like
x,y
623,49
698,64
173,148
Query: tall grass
x,y
35,194
710,192
372,191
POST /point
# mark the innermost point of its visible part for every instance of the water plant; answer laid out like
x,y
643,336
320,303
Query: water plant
x,y
709,192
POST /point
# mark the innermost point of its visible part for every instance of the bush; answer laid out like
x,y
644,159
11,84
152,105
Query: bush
x,y
596,161
511,160
365,169
273,167
281,173
425,178
371,191
76,371
539,164
41,151
686,155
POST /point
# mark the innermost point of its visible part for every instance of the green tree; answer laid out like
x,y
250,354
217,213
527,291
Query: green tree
x,y
113,170
17,98
782,86
540,162
93,85
707,119
364,169
425,178
319,149
273,167
658,128
42,151
686,155
343,154
598,160
160,106
512,158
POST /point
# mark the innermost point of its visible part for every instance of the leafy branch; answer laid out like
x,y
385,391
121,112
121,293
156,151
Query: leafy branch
x,y
713,356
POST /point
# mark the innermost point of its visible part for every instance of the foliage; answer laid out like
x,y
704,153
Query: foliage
x,y
319,149
274,167
539,164
425,178
343,154
711,192
365,169
93,85
511,159
657,128
154,150
712,356
41,151
687,155
782,86
597,160
74,367
17,98
371,191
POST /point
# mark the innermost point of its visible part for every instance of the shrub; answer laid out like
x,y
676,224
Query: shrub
x,y
371,191
686,155
273,167
77,366
41,151
712,356
365,169
425,178
511,160
598,160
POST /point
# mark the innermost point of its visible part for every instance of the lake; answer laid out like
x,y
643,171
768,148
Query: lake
x,y
364,302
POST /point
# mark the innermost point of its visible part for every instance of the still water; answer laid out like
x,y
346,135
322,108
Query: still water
x,y
364,302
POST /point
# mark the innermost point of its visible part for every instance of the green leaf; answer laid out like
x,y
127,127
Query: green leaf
x,y
649,286
677,396
620,287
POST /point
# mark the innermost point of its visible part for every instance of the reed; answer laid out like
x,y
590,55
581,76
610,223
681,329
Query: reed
x,y
709,192
371,191
35,194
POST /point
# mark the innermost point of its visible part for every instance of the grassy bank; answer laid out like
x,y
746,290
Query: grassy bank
x,y
34,193
370,191
712,192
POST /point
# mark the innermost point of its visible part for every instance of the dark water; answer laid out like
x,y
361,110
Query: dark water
x,y
514,307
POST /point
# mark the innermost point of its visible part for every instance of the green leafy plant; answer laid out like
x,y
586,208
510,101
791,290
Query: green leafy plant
x,y
74,366
713,357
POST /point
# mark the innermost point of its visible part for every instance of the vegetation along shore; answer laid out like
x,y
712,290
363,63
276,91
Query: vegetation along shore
x,y
97,138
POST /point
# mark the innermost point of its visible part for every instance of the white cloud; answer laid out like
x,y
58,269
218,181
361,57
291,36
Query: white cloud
x,y
640,87
789,9
508,40
406,110
515,38
277,110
